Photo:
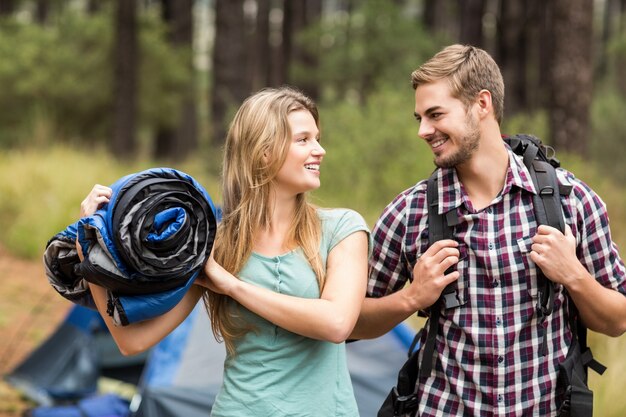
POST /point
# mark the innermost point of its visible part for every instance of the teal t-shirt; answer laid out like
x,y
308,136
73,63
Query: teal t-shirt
x,y
279,373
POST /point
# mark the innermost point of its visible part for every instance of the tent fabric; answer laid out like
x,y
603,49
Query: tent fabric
x,y
66,366
182,374
109,405
146,246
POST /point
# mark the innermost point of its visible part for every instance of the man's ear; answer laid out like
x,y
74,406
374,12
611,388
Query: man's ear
x,y
485,106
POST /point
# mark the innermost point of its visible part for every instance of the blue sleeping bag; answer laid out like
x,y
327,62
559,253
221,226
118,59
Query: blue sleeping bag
x,y
146,246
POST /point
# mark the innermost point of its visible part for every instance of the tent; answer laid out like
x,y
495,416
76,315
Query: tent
x,y
180,376
68,364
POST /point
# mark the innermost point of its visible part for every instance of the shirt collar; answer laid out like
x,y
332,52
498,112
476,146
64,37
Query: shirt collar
x,y
452,194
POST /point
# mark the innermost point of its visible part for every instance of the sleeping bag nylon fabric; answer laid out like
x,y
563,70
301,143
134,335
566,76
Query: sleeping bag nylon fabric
x,y
146,246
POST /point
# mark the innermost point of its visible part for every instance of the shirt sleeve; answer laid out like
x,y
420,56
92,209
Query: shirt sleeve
x,y
595,247
388,271
341,223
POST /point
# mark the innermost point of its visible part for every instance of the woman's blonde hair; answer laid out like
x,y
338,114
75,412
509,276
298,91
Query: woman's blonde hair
x,y
256,147
468,70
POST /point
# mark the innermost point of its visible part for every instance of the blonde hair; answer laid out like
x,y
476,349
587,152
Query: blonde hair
x,y
256,147
468,70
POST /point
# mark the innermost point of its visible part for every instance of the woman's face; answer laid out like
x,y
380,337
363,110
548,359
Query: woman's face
x,y
301,170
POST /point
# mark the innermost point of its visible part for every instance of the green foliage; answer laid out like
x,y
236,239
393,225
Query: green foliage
x,y
59,73
41,190
61,76
372,152
608,132
163,74
376,44
535,124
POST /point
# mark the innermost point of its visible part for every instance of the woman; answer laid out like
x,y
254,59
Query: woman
x,y
286,280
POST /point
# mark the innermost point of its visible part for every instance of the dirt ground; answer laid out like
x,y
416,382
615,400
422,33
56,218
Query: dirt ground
x,y
30,310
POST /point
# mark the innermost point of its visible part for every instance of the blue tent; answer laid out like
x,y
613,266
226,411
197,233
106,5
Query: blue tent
x,y
180,376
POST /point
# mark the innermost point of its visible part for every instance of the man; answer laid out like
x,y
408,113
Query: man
x,y
488,351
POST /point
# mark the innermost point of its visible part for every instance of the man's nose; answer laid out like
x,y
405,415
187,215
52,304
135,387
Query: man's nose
x,y
426,129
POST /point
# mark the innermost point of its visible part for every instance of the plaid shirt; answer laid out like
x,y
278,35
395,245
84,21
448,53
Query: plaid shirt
x,y
487,350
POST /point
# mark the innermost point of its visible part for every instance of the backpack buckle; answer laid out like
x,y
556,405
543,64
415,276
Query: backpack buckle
x,y
450,300
403,404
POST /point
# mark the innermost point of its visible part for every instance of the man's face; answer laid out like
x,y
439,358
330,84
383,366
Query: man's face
x,y
446,124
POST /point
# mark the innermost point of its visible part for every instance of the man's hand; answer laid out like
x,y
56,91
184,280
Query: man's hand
x,y
555,253
429,273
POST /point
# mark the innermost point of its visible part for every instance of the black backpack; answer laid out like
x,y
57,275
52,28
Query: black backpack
x,y
576,400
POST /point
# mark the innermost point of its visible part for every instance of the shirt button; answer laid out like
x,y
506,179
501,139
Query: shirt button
x,y
491,246
500,398
498,321
500,359
496,282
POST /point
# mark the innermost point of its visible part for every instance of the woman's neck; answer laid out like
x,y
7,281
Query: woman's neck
x,y
274,239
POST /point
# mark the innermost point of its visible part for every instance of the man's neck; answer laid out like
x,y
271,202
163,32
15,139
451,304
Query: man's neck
x,y
483,176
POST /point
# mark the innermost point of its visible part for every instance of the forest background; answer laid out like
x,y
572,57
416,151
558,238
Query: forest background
x,y
91,90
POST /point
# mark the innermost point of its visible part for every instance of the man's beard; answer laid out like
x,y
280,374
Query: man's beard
x,y
467,146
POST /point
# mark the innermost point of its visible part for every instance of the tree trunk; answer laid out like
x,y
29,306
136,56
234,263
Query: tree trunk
x,y
260,51
434,15
571,75
125,79
297,16
93,6
471,22
177,142
545,13
7,7
230,82
511,54
42,9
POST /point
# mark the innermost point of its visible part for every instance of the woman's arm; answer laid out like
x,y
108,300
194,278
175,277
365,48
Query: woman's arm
x,y
330,317
140,336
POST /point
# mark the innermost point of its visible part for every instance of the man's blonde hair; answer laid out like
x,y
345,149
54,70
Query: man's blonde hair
x,y
468,70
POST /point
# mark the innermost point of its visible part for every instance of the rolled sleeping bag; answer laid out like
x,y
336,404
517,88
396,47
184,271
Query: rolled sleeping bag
x,y
146,246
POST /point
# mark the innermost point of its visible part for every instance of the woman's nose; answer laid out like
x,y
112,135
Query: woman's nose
x,y
319,149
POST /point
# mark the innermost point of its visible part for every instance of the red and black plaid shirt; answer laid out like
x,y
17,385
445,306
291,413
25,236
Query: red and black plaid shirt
x,y
488,360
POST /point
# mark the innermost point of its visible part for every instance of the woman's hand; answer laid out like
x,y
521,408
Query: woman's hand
x,y
97,197
216,278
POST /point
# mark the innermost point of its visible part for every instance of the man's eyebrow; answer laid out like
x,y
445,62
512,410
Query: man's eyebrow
x,y
432,110
427,112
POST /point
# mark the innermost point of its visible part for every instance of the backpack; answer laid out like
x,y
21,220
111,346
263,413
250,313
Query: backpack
x,y
576,400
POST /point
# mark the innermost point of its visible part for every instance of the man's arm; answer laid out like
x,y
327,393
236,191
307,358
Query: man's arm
x,y
602,309
379,315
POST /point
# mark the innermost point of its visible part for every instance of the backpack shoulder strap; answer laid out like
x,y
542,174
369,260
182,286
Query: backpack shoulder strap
x,y
439,228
